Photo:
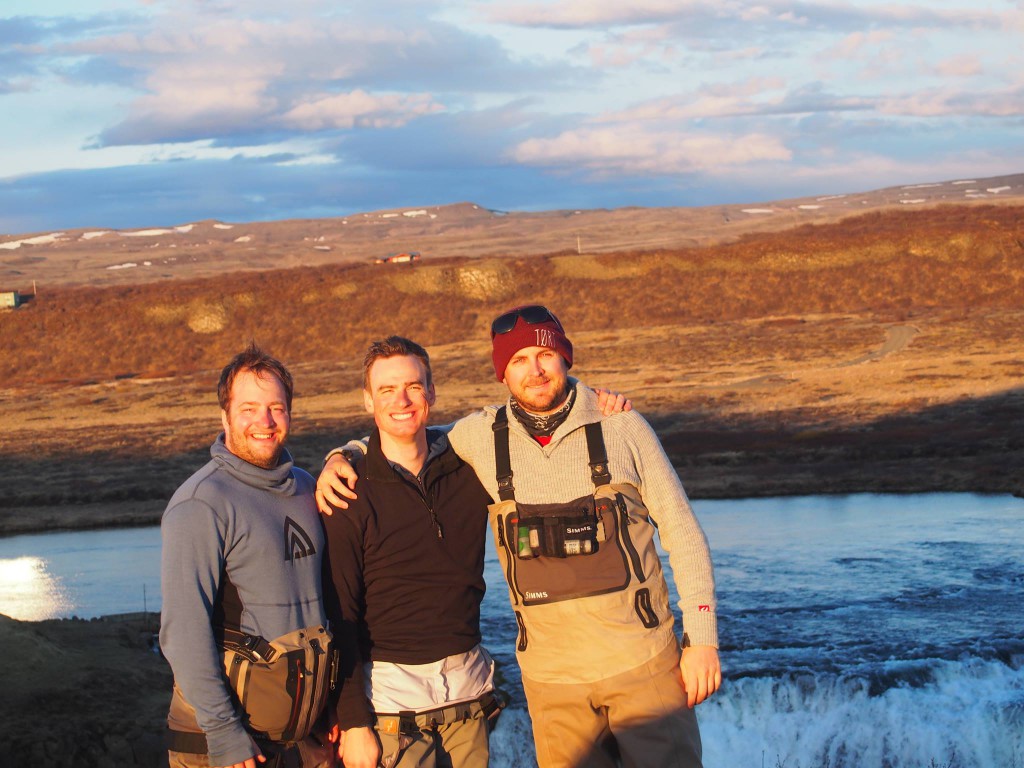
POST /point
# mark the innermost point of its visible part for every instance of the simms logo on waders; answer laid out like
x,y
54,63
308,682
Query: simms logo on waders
x,y
297,543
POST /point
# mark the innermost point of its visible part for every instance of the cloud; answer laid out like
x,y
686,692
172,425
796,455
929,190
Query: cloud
x,y
756,96
965,65
193,102
867,171
856,44
705,14
251,189
939,102
21,31
201,73
359,108
32,30
637,150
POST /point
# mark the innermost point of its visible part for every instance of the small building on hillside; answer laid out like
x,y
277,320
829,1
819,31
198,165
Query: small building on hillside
x,y
399,258
9,299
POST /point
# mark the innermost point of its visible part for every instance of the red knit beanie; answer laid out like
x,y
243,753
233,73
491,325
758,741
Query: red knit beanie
x,y
543,333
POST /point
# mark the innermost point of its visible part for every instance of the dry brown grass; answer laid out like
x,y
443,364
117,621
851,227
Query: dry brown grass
x,y
953,259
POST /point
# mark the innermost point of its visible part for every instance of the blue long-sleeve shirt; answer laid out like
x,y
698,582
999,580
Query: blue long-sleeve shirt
x,y
261,528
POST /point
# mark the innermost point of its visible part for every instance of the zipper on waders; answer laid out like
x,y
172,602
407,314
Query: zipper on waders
x,y
627,542
509,563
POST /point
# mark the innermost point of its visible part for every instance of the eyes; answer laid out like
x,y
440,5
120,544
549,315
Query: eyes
x,y
390,389
544,357
249,409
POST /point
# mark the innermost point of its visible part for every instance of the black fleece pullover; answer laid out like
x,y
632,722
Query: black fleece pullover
x,y
406,560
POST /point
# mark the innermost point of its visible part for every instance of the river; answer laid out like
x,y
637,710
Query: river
x,y
862,630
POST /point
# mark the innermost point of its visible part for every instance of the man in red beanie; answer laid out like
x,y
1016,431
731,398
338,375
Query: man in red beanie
x,y
578,498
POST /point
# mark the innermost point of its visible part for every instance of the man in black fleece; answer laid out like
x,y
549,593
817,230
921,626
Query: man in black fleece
x,y
407,564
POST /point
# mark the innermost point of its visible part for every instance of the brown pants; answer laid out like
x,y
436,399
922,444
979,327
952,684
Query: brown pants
x,y
308,753
639,717
453,745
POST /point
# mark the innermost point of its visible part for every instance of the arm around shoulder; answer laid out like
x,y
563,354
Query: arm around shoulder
x,y
337,481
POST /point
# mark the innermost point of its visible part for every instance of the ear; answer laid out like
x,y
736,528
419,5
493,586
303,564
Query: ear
x,y
224,420
367,401
431,395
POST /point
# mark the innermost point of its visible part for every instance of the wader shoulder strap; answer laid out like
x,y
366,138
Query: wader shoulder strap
x,y
598,456
503,463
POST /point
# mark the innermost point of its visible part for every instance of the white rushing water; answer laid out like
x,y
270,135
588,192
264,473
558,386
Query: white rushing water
x,y
856,631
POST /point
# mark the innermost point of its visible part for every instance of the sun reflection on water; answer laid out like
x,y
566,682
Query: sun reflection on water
x,y
28,592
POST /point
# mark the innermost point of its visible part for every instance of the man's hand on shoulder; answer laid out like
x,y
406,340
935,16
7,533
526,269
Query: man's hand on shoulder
x,y
359,748
701,673
335,484
611,403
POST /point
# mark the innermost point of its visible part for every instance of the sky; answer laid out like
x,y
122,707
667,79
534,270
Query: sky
x,y
136,113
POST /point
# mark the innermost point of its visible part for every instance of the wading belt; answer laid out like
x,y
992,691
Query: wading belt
x,y
488,705
503,463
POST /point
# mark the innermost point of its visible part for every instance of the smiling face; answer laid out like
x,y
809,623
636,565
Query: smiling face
x,y
399,396
537,378
257,419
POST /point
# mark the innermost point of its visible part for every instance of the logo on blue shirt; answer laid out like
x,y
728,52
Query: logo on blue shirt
x,y
297,543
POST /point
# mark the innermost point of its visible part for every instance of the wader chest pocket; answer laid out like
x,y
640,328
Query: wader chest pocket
x,y
564,551
580,531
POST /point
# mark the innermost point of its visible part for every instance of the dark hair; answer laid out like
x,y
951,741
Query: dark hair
x,y
259,362
394,346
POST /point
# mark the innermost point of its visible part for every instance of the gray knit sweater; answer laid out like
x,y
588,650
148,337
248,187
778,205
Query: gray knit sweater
x,y
559,472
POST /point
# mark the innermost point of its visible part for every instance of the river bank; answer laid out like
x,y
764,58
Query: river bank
x,y
80,517
781,471
83,693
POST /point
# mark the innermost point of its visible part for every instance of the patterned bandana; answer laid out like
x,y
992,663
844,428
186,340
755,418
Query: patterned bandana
x,y
544,425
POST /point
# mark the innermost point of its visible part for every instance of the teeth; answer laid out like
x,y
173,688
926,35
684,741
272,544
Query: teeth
x,y
401,416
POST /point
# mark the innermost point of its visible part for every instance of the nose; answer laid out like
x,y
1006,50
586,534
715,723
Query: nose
x,y
266,418
402,397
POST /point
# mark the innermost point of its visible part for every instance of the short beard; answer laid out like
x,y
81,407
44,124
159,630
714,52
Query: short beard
x,y
240,449
556,403
270,463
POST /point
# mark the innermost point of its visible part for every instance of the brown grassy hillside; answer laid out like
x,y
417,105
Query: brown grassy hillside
x,y
880,353
889,264
90,257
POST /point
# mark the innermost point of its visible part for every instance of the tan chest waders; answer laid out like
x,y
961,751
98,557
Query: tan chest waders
x,y
599,547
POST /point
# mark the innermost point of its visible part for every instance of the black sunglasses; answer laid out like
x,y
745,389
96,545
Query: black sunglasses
x,y
533,315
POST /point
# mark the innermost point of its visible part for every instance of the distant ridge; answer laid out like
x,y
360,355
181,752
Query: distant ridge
x,y
118,257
